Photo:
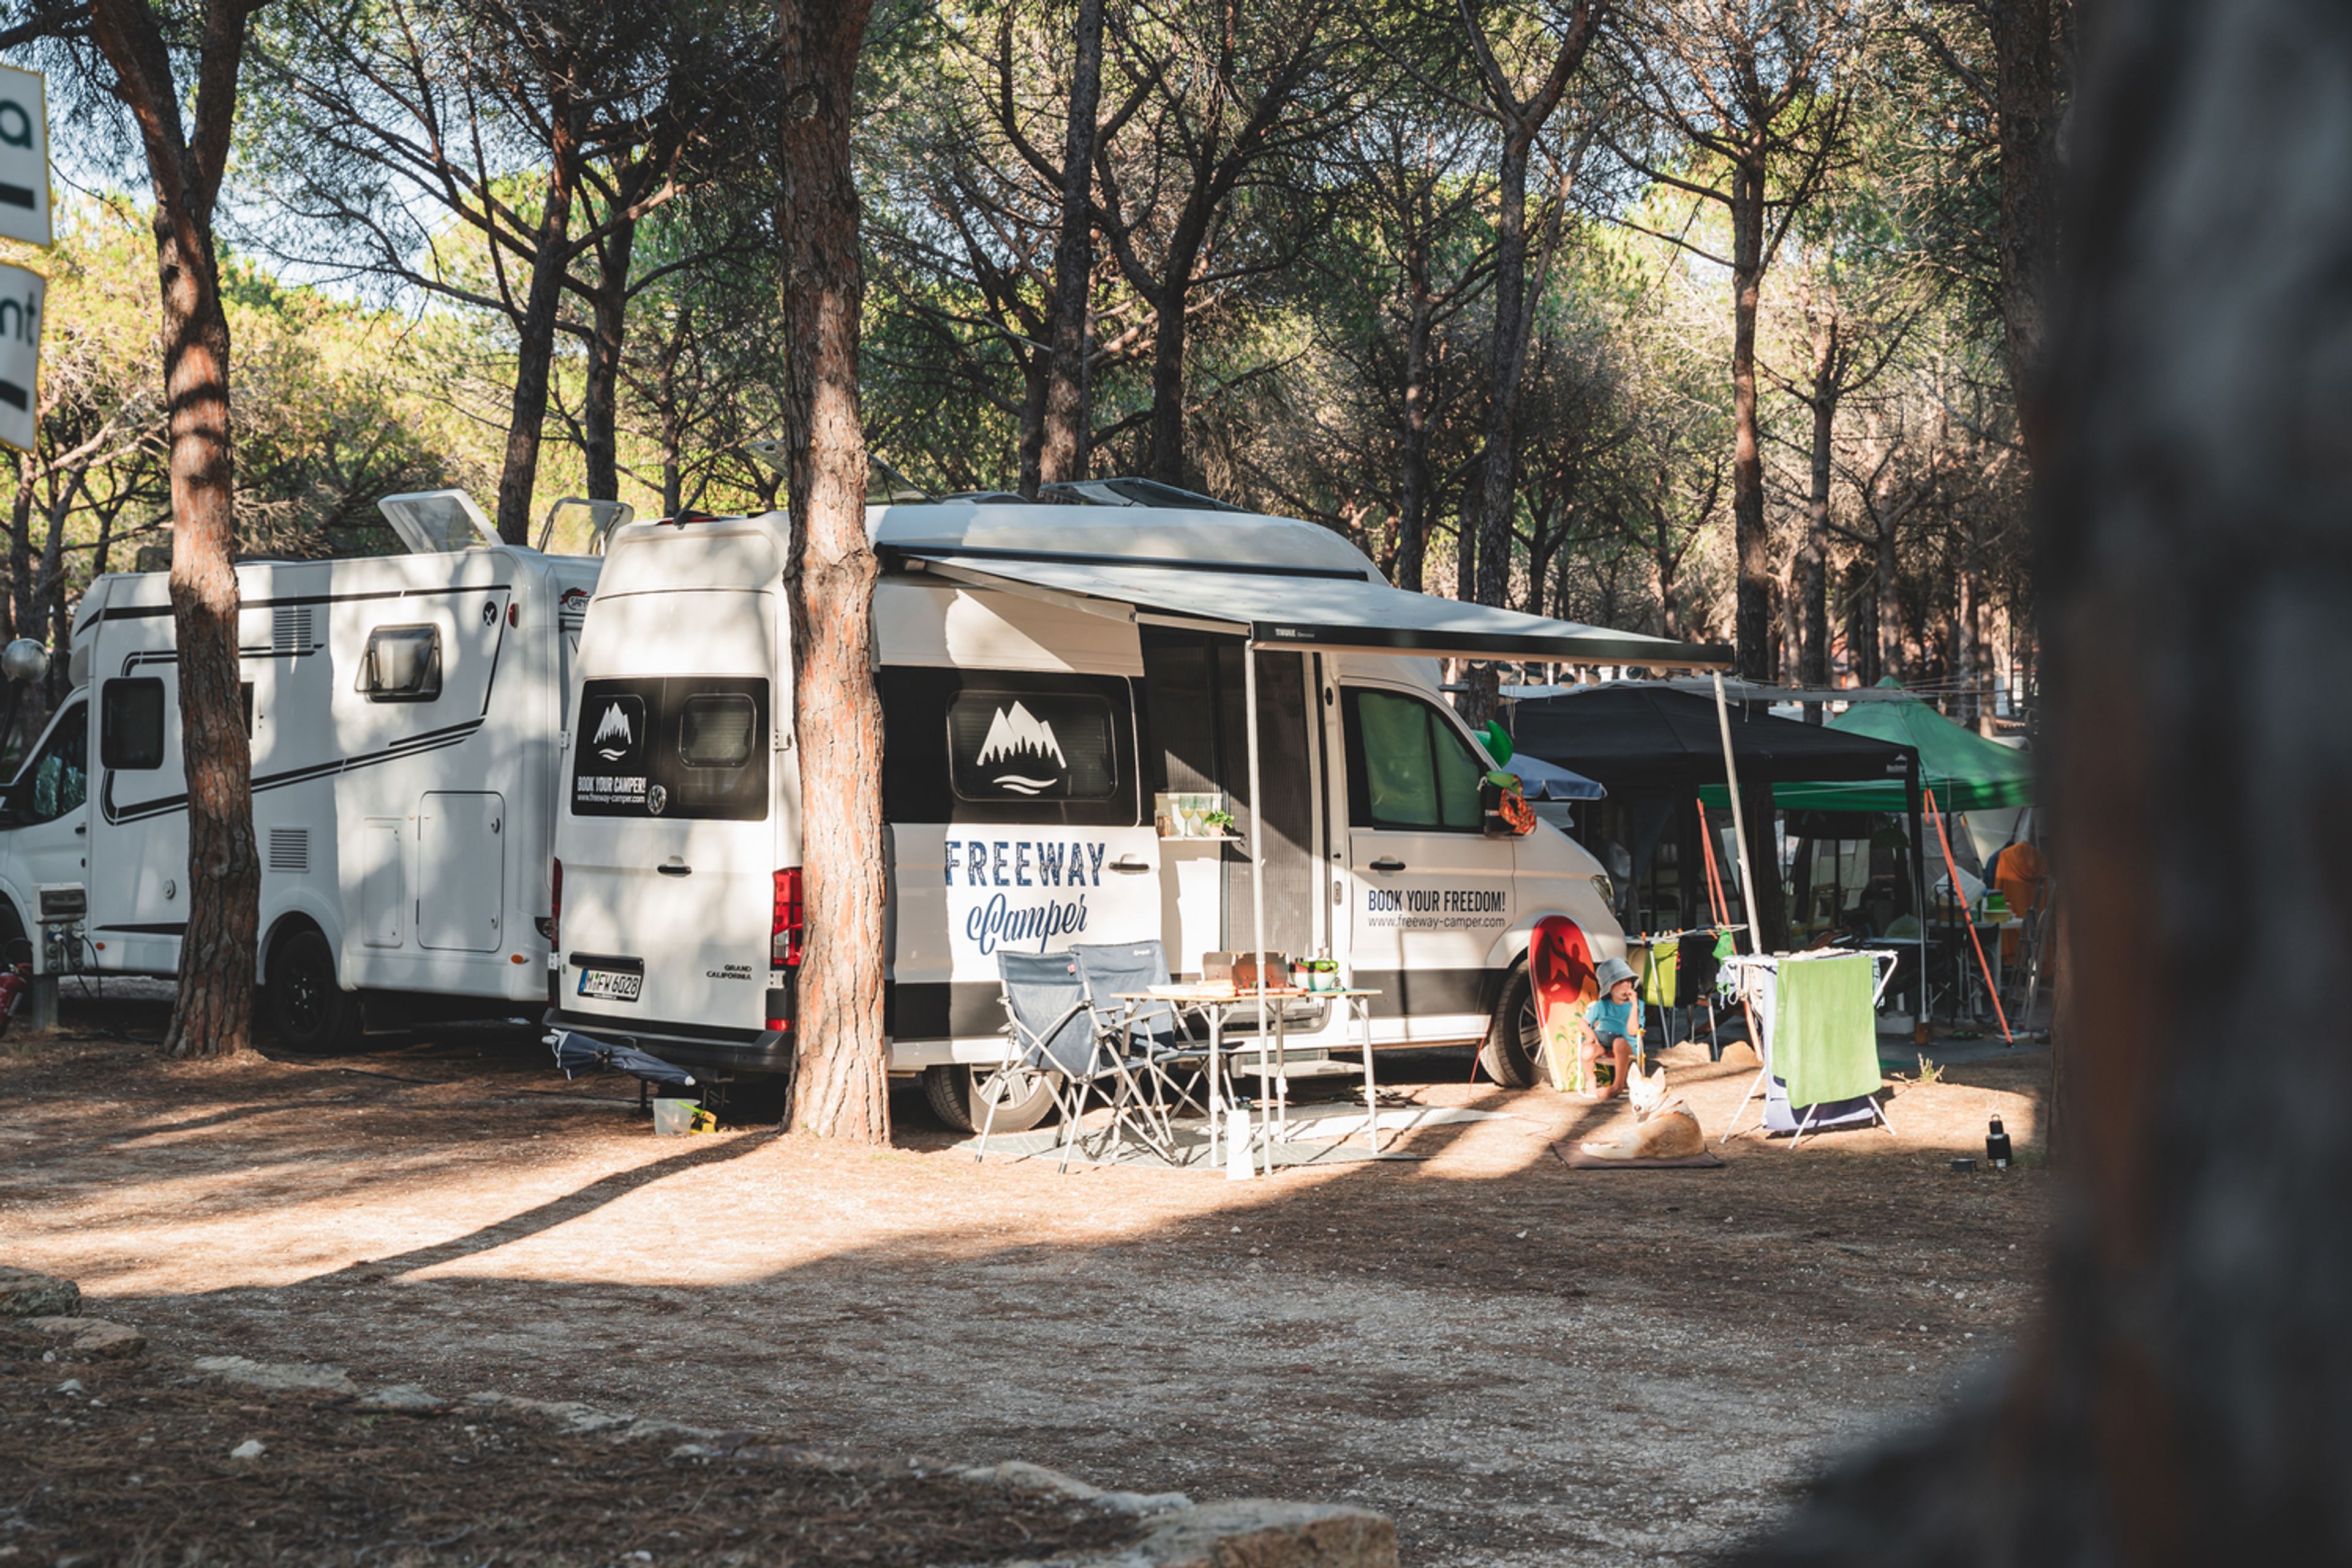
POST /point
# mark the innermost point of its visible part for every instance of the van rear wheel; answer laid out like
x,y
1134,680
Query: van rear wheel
x,y
310,1013
959,1097
1513,1051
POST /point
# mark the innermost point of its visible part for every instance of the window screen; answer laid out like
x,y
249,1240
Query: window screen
x,y
715,732
403,663
1407,767
130,723
1008,745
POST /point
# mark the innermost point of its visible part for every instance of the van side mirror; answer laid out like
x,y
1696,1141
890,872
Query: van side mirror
x,y
1502,808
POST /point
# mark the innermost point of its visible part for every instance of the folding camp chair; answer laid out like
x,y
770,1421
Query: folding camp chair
x,y
1158,1034
1050,1031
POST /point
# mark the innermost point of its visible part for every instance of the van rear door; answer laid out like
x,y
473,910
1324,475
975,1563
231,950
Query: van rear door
x,y
667,842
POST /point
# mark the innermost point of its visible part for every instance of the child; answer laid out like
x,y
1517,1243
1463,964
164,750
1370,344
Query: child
x,y
1616,1021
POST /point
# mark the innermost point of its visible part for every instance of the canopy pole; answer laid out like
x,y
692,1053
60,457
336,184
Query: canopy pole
x,y
1257,865
1739,819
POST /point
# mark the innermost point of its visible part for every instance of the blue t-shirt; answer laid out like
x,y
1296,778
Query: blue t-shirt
x,y
1615,1020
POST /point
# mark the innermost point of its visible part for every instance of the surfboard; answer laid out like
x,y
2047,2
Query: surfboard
x,y
1560,970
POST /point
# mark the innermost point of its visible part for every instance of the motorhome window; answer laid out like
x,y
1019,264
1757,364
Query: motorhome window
x,y
130,723
715,732
402,665
56,780
1407,768
672,746
1017,745
1062,755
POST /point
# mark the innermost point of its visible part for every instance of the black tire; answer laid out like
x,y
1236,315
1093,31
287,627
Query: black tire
x,y
958,1096
309,1013
15,947
1514,1038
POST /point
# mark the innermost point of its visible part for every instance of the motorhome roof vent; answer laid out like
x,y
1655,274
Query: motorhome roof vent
x,y
289,628
433,522
598,518
289,849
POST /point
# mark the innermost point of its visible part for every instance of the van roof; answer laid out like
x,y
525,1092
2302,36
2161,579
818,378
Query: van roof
x,y
1128,533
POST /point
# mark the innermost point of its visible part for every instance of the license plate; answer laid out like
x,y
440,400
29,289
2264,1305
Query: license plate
x,y
611,985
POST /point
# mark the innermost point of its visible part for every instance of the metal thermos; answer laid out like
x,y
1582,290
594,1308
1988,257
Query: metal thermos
x,y
1997,1146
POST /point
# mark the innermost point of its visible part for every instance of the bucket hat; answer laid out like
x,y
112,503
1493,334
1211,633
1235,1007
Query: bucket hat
x,y
1611,971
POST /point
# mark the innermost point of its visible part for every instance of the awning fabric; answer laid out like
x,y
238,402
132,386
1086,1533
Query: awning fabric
x,y
1652,738
1328,609
1967,771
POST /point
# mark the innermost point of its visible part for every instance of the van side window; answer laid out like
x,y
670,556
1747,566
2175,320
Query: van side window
x,y
130,723
56,780
403,663
1407,767
1007,746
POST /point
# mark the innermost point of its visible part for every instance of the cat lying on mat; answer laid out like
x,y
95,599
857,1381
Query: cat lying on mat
x,y
1662,1129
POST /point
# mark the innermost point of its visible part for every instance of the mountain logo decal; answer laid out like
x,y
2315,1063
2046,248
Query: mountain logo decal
x,y
1022,744
613,739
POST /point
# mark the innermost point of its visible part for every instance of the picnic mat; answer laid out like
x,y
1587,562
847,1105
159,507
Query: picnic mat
x,y
1576,1159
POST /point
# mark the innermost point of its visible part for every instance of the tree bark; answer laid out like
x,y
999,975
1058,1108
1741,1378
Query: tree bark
x,y
599,409
1062,453
1752,542
1414,480
2178,1397
840,1086
2029,85
1813,558
535,333
213,1013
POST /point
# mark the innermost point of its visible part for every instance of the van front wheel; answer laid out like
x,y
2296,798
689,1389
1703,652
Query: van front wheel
x,y
959,1097
311,1013
1512,1054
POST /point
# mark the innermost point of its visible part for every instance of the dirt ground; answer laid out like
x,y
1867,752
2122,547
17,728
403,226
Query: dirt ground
x,y
1517,1362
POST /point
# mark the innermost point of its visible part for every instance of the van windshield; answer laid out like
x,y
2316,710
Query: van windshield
x,y
681,745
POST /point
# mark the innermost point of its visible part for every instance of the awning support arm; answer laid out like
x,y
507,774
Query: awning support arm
x,y
1738,820
1257,857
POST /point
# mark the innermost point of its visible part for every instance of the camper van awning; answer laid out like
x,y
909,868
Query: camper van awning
x,y
1326,608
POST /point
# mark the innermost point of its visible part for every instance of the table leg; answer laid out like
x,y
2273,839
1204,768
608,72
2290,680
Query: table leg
x,y
1362,1006
1281,1085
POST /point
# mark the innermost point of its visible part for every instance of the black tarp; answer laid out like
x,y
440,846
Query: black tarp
x,y
1633,738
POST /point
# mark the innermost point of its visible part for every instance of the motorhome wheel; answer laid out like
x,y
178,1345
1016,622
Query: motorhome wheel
x,y
1514,1037
311,1013
959,1097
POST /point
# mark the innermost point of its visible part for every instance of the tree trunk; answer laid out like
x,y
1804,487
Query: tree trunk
x,y
1035,374
598,412
1752,542
1506,357
1167,463
1890,602
217,954
535,334
2178,1397
1813,558
1414,477
1063,455
213,1013
2028,86
21,613
840,1086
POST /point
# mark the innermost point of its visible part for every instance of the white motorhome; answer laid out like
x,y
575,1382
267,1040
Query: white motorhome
x,y
405,713
1051,676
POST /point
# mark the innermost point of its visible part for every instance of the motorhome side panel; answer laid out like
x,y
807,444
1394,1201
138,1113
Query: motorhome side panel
x,y
1012,786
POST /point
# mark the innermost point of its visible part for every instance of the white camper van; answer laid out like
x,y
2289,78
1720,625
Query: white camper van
x,y
404,712
1063,702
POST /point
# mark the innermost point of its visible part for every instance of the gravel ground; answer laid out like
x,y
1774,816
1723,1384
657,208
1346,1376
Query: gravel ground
x,y
1515,1361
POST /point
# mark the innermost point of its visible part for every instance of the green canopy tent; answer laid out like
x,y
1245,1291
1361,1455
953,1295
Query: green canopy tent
x,y
1967,771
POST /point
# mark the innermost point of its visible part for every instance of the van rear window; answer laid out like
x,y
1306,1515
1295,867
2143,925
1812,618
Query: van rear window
x,y
682,746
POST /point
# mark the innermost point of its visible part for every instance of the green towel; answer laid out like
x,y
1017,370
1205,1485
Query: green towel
x,y
1824,1045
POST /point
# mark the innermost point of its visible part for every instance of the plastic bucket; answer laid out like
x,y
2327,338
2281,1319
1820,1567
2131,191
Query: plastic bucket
x,y
674,1118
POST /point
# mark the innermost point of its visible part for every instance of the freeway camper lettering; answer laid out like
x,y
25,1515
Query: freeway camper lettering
x,y
1438,908
1062,866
